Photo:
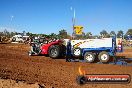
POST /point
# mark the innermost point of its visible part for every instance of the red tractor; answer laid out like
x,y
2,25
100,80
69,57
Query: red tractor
x,y
54,49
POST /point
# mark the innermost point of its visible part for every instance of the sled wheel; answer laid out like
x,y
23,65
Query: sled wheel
x,y
77,52
54,51
89,57
104,57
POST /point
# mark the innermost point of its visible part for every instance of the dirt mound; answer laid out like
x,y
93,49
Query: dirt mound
x,y
8,83
17,65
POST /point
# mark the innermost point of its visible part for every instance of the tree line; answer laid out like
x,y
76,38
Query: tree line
x,y
64,34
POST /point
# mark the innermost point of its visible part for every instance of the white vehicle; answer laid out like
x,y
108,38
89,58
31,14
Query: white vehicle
x,y
17,38
25,38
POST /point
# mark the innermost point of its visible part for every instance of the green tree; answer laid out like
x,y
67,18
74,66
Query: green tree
x,y
112,33
29,34
53,35
6,33
12,34
88,35
120,34
63,33
96,37
1,34
129,32
23,32
104,34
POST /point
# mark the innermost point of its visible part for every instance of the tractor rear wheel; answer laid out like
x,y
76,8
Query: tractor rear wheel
x,y
103,57
54,51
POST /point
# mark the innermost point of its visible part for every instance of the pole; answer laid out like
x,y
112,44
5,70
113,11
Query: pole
x,y
73,21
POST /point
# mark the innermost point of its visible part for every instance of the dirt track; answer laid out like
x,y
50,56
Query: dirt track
x,y
17,65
